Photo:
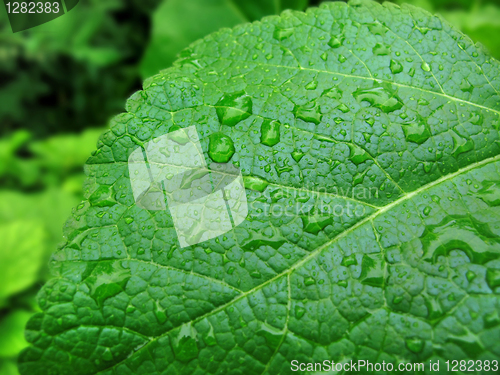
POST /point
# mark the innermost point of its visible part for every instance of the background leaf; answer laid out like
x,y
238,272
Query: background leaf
x,y
478,19
21,256
12,333
481,23
177,23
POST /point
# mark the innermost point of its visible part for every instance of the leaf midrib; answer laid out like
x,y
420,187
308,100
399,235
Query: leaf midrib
x,y
319,249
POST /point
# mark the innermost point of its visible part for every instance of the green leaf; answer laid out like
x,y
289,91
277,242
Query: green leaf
x,y
367,137
21,256
177,23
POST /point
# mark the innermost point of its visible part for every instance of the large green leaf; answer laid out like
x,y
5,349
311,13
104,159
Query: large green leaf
x,y
367,136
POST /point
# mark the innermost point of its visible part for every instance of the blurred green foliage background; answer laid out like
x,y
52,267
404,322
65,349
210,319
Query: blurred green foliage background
x,y
61,82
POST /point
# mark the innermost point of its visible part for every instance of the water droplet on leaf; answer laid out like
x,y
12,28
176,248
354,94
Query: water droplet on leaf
x,y
379,97
334,42
281,34
233,108
396,67
220,148
460,144
381,50
185,343
299,312
349,260
309,112
297,155
357,154
416,132
415,345
270,132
